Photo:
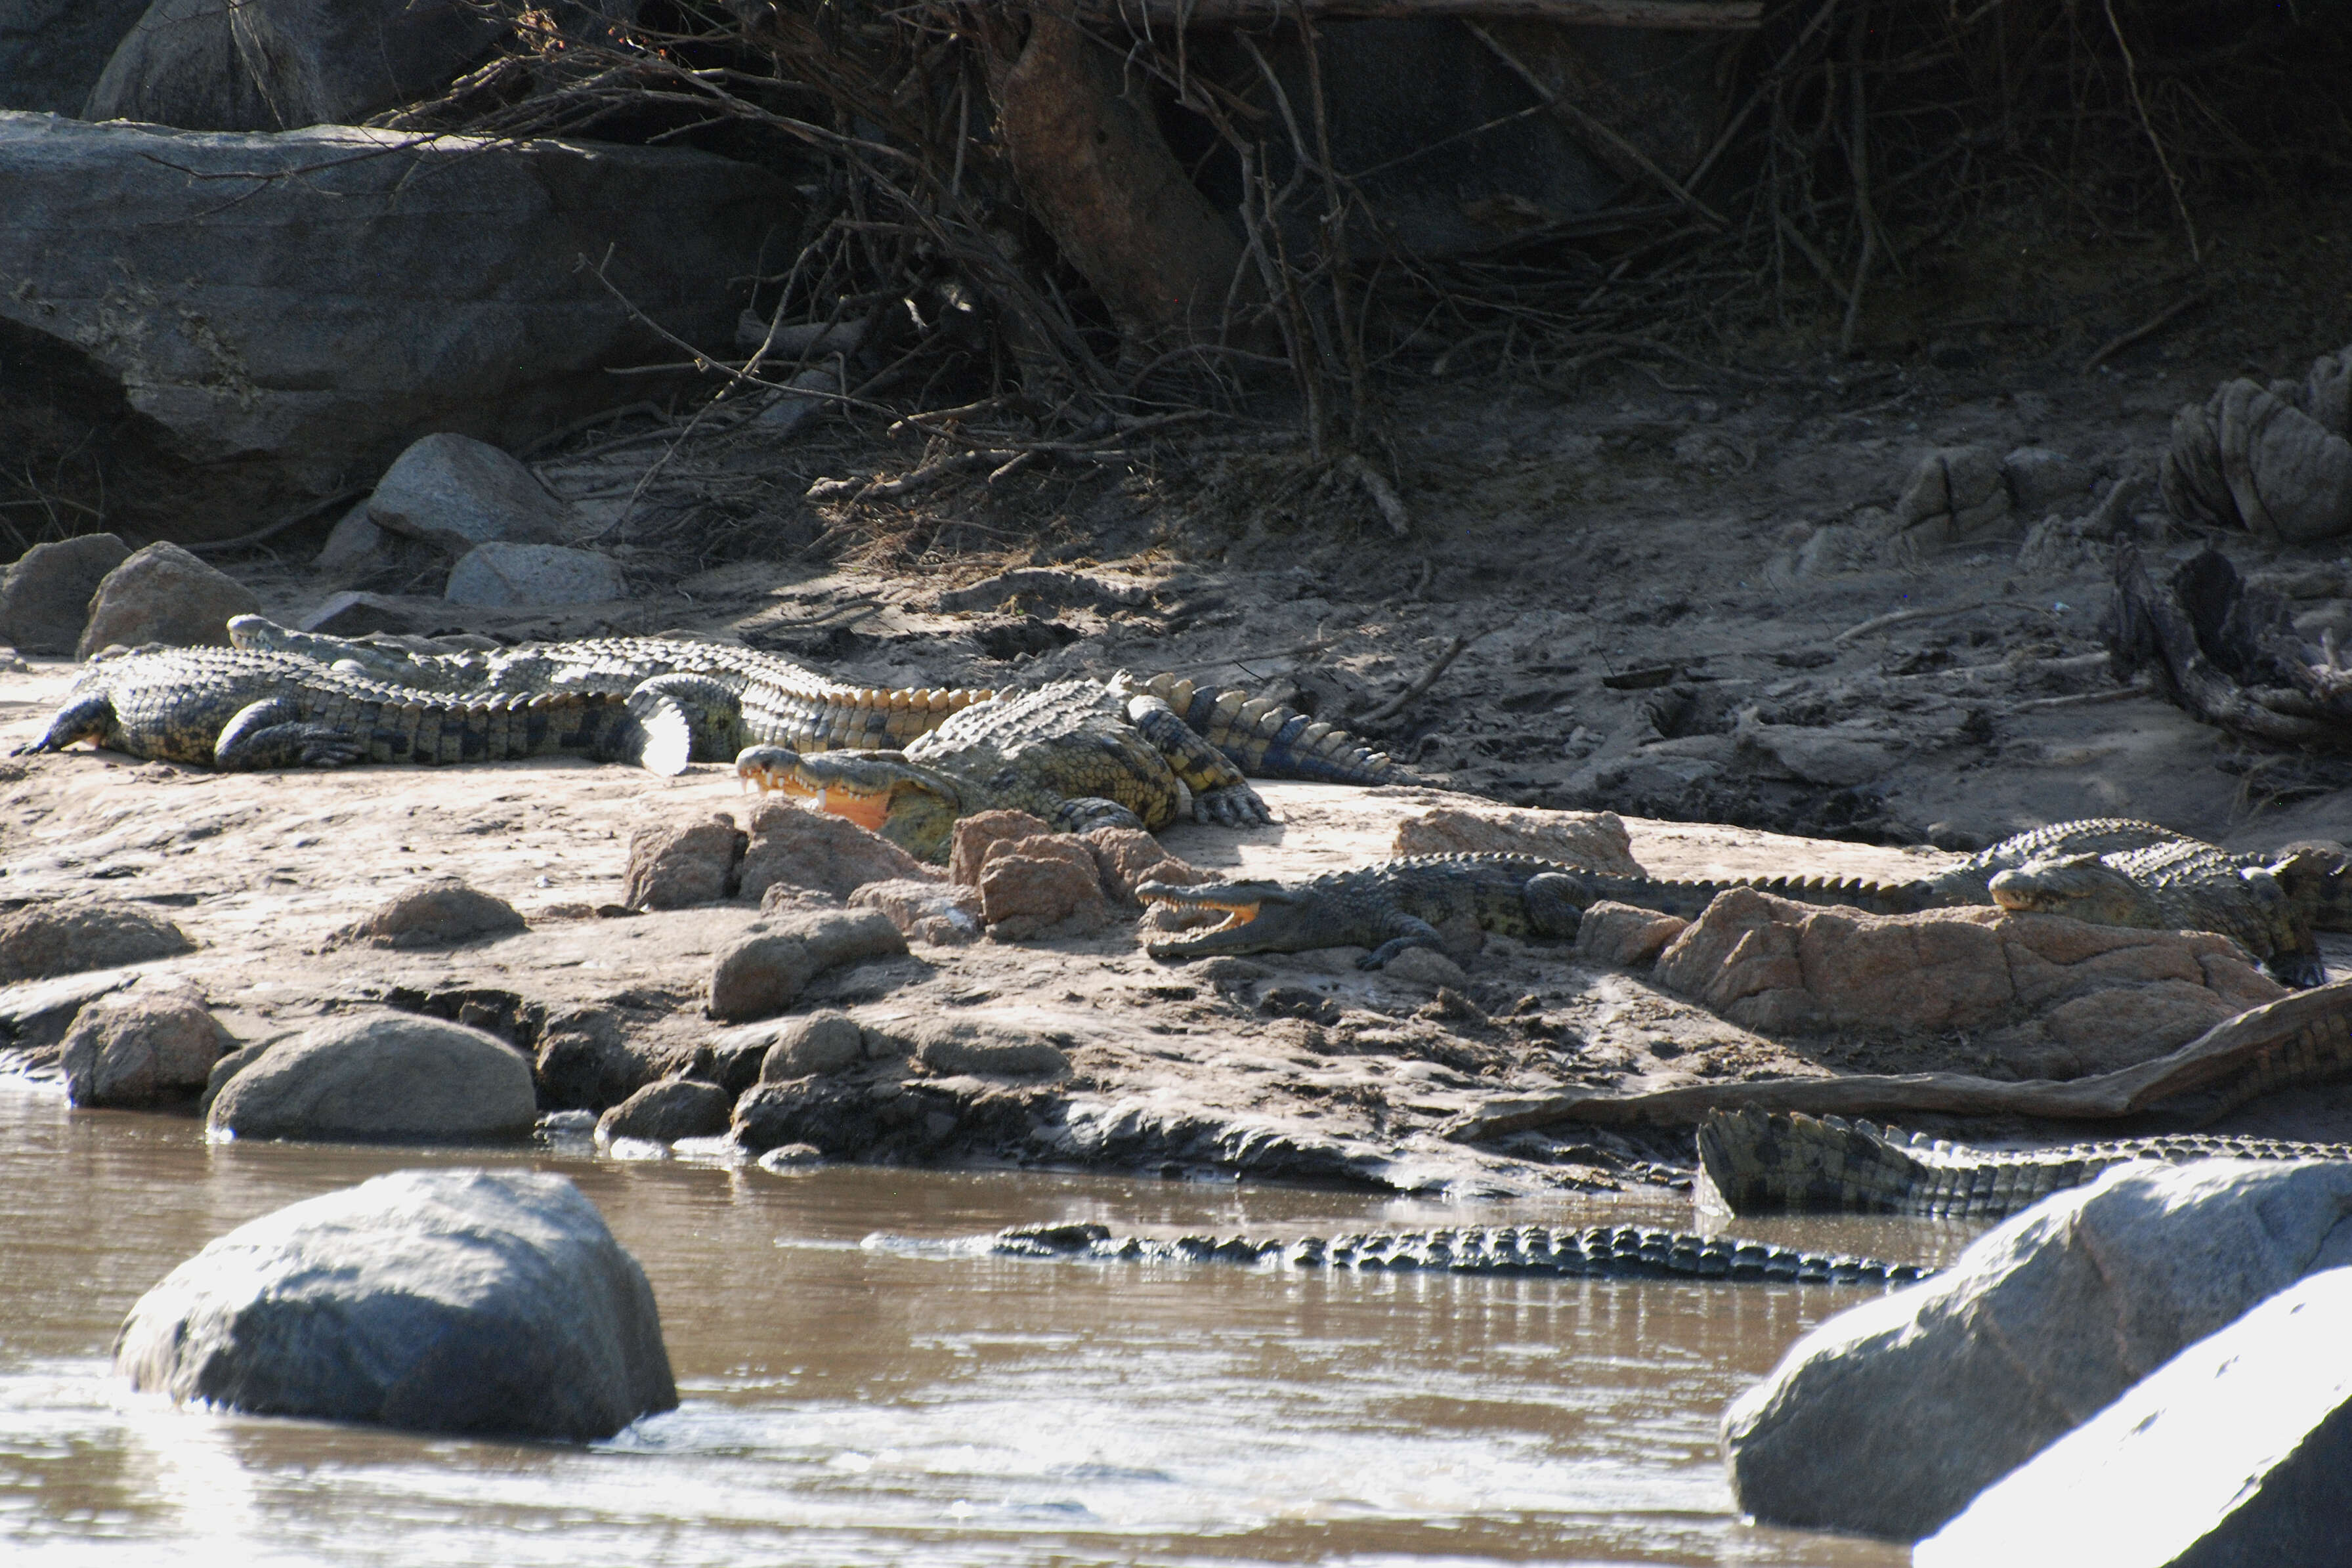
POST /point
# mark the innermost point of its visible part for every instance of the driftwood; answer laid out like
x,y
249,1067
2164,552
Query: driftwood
x,y
2300,1038
2225,654
1668,15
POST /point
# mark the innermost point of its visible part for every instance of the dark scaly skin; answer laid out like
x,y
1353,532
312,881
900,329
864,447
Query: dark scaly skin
x,y
232,709
736,696
1387,907
1761,1162
1078,754
1619,1252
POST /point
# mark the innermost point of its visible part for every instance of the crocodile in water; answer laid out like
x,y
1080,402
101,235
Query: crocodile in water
x,y
1769,1162
1387,907
1622,1252
233,708
1078,754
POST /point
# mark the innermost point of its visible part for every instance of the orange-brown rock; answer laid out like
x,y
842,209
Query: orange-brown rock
x,y
1596,841
1030,886
1129,857
1622,937
977,834
817,850
2045,996
678,866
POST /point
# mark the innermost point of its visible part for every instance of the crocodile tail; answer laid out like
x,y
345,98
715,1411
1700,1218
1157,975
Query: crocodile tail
x,y
1267,740
1772,1161
658,734
1850,892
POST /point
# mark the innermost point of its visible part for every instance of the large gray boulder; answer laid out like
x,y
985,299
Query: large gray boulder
x,y
272,314
444,1300
275,65
456,492
2236,1451
164,594
1887,1419
52,51
45,597
385,1076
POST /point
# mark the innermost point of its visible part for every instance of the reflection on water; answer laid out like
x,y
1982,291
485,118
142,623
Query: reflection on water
x,y
847,1404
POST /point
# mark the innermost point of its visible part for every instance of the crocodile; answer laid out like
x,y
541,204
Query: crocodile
x,y
1079,753
235,708
1621,1253
1768,1161
1389,908
736,697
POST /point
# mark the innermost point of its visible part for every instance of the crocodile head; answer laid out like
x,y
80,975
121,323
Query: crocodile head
x,y
2086,888
912,806
1260,917
2317,877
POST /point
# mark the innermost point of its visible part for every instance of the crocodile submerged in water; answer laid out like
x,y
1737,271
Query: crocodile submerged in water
x,y
1387,907
2105,871
233,708
1783,1162
1079,753
1619,1252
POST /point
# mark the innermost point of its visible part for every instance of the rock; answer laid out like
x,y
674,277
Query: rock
x,y
1126,858
164,594
254,355
1955,495
2018,985
135,1047
491,1302
942,914
1838,758
978,834
64,937
440,912
1425,966
227,1067
275,65
355,545
358,615
821,1042
798,847
1596,841
52,51
455,493
1624,937
840,1119
2040,480
791,1157
35,1015
1030,887
2278,467
1887,1419
675,867
760,974
978,1046
45,599
2237,1450
582,1060
381,1075
666,1111
507,575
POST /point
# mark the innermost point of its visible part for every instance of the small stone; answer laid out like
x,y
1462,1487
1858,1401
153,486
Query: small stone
x,y
138,1047
583,1061
987,1050
227,1067
1957,495
73,935
1425,967
761,974
792,847
466,1302
977,834
791,1157
2041,480
164,594
355,545
820,1042
1126,858
456,492
666,1111
939,914
1624,937
45,599
1038,885
1296,1002
434,914
499,576
681,867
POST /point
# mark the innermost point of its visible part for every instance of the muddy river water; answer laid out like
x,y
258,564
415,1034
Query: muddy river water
x,y
848,1400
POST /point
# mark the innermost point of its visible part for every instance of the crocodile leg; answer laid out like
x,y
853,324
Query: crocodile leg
x,y
1081,813
86,717
272,734
659,740
1220,794
1410,931
1552,907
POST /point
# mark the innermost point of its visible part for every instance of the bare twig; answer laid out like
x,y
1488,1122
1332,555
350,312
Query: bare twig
x,y
2147,329
1397,704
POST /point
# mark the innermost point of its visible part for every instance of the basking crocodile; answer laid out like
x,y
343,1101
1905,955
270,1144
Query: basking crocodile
x,y
736,696
232,709
1768,1161
1387,907
1078,754
1621,1253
